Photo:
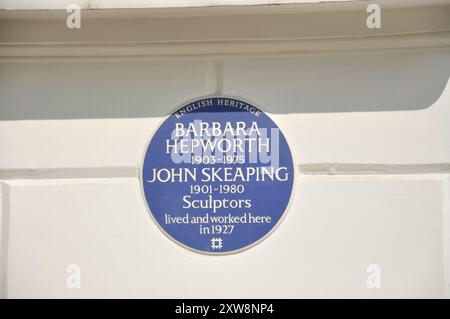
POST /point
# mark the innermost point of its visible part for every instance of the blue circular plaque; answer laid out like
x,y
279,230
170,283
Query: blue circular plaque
x,y
217,175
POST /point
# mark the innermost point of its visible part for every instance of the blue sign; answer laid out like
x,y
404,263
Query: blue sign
x,y
218,175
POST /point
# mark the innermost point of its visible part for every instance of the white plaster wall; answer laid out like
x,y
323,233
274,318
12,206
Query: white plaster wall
x,y
370,131
334,229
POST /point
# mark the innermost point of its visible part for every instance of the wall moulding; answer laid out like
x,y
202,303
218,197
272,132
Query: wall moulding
x,y
223,48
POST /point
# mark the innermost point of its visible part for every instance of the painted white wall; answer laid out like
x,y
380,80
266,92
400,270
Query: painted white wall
x,y
367,119
142,4
156,4
336,227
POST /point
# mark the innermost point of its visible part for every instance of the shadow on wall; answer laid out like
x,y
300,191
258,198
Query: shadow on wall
x,y
345,82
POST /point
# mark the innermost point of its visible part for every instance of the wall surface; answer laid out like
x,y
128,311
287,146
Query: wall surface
x,y
366,112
